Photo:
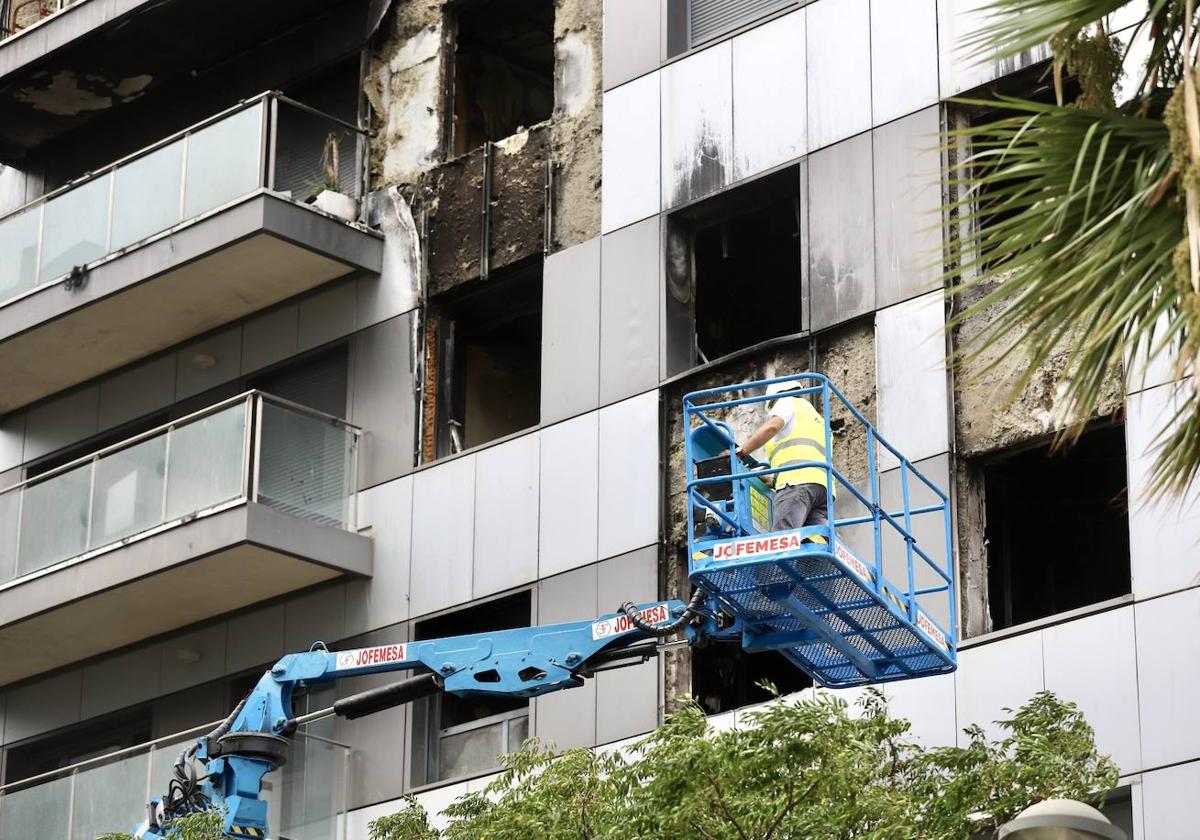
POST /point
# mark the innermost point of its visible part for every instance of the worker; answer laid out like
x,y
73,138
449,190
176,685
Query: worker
x,y
793,433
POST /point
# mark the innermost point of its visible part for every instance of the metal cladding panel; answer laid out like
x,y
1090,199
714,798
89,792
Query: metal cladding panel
x,y
959,69
632,39
137,392
1075,653
225,349
839,70
697,125
43,705
1168,648
630,577
571,332
929,530
908,202
770,95
910,359
709,19
319,615
61,422
629,475
506,516
256,636
569,467
1169,802
630,159
327,315
443,535
382,400
927,704
121,681
567,718
1163,533
992,677
270,338
626,702
904,67
841,250
629,322
383,600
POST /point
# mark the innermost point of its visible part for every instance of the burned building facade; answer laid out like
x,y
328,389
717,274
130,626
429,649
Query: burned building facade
x,y
370,322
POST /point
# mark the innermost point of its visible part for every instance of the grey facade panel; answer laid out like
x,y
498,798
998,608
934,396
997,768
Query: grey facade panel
x,y
270,338
382,400
61,422
137,392
443,535
629,321
770,95
121,681
383,599
319,615
626,702
632,39
327,315
839,70
255,638
193,658
908,201
567,718
209,362
43,705
568,520
629,475
697,125
841,232
571,332
630,577
506,516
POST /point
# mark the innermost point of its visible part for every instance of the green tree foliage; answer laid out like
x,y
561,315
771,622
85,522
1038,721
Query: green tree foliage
x,y
205,825
1083,217
803,768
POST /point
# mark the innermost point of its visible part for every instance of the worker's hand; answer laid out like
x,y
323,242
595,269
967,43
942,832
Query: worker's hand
x,y
741,452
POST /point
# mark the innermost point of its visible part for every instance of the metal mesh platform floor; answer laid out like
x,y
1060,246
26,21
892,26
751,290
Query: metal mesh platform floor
x,y
812,608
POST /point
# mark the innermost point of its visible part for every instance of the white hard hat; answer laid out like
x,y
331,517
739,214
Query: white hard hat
x,y
779,387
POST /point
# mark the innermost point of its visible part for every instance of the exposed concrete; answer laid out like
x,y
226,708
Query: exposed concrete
x,y
986,419
404,86
575,127
847,355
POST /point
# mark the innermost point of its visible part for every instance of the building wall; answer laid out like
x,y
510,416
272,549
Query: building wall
x,y
584,510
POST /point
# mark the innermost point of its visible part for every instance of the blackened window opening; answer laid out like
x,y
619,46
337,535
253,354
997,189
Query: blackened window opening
x,y
745,263
1057,528
490,358
78,743
503,69
726,677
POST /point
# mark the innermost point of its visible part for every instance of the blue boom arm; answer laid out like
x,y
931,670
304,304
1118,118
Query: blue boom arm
x,y
225,768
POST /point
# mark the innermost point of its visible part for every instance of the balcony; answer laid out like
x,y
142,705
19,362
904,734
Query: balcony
x,y
306,797
201,229
247,500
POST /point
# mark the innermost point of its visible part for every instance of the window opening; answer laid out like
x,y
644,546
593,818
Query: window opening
x,y
726,677
78,743
489,359
466,735
1056,527
503,70
734,269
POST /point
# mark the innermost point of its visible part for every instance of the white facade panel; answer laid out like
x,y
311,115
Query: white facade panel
x,y
995,676
630,161
910,353
1075,653
904,60
506,516
928,704
443,535
629,475
382,599
959,69
839,70
1169,802
697,125
632,39
1168,648
1164,534
569,467
770,95
630,291
571,331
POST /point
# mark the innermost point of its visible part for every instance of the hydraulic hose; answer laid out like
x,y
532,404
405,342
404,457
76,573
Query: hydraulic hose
x,y
664,630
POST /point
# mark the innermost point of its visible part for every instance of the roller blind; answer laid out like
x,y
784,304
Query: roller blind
x,y
709,18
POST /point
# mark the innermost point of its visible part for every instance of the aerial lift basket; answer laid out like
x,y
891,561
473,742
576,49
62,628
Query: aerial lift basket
x,y
823,595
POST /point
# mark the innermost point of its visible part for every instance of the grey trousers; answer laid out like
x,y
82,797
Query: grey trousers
x,y
798,505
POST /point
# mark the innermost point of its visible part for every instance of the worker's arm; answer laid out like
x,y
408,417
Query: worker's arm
x,y
761,435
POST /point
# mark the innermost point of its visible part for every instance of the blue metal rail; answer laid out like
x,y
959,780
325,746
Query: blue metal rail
x,y
806,593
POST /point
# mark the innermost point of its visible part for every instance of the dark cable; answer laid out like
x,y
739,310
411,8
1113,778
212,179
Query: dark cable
x,y
663,630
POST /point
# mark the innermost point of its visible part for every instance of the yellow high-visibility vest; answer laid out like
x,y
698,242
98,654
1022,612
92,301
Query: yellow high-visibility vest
x,y
806,442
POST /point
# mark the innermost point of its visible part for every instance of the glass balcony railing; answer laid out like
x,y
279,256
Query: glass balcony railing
x,y
253,447
269,142
306,797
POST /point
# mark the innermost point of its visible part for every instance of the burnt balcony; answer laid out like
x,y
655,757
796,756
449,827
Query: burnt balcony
x,y
247,500
200,229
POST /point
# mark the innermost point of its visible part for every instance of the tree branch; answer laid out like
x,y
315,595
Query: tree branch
x,y
716,786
